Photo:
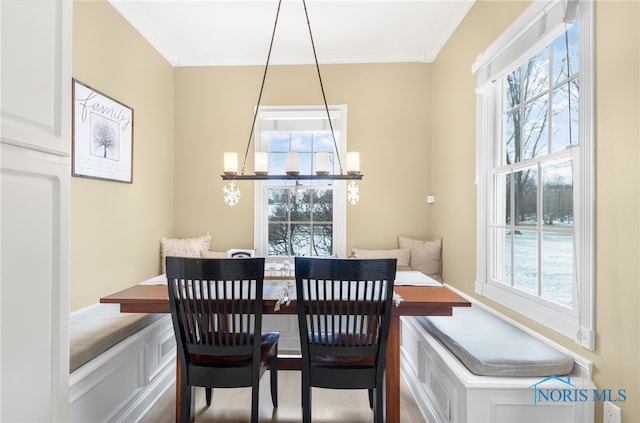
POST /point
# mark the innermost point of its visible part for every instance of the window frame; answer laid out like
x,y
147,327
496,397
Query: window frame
x,y
509,51
338,115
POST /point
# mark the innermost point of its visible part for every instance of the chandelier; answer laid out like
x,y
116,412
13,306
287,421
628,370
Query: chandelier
x,y
323,169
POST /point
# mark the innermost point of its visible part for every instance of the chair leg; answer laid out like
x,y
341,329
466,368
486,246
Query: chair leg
x,y
306,403
371,398
273,374
378,403
255,394
208,392
185,402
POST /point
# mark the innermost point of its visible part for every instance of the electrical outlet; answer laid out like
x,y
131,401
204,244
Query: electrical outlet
x,y
612,413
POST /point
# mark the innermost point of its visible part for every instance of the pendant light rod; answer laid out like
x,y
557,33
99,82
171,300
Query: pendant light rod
x,y
264,78
324,97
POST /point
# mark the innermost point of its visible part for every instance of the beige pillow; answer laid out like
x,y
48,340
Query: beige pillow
x,y
426,255
183,247
213,254
401,254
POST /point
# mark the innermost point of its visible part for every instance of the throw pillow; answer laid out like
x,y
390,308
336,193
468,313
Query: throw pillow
x,y
183,247
401,254
213,254
426,255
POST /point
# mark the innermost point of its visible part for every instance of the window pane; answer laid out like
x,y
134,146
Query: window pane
x,y
278,205
525,261
278,142
300,239
565,54
534,129
535,73
512,137
278,239
525,193
564,121
502,241
300,205
278,221
557,268
323,142
502,215
277,163
557,194
322,240
304,163
513,89
300,142
322,205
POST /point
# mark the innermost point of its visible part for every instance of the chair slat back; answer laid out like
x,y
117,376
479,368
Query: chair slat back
x,y
216,304
344,305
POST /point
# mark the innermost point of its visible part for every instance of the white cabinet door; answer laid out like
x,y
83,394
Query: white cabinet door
x,y
34,195
36,74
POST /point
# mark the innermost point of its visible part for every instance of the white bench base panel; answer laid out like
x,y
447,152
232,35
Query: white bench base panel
x,y
121,384
447,392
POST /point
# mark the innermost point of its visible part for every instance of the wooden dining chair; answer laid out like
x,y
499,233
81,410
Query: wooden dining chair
x,y
344,312
216,306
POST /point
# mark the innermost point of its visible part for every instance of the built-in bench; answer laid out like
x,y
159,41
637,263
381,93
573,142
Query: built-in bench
x,y
490,346
120,363
480,366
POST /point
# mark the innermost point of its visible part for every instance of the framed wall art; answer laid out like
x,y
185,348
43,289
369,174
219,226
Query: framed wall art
x,y
102,141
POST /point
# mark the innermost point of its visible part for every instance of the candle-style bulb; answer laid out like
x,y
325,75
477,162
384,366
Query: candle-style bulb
x,y
230,163
353,163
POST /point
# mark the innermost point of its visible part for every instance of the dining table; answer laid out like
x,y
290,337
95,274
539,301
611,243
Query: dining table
x,y
415,294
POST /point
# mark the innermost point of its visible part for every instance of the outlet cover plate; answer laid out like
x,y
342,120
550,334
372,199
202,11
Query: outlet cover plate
x,y
612,413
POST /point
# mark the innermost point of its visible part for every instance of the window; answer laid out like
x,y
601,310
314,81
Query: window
x,y
535,170
300,218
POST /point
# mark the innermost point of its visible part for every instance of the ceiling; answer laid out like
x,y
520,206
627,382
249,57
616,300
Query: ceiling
x,y
238,32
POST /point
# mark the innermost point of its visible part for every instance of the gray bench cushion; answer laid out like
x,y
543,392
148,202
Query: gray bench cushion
x,y
489,346
95,329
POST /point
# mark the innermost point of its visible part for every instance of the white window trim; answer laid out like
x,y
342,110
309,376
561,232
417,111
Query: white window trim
x,y
260,231
577,324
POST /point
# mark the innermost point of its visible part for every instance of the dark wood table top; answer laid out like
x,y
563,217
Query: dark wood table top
x,y
416,300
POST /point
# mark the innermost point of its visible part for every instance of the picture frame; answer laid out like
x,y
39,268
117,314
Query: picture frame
x,y
102,136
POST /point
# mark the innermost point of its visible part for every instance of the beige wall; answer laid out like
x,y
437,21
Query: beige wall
x,y
616,358
116,227
389,122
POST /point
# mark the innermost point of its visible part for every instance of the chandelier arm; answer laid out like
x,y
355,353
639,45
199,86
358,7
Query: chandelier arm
x,y
264,78
324,98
